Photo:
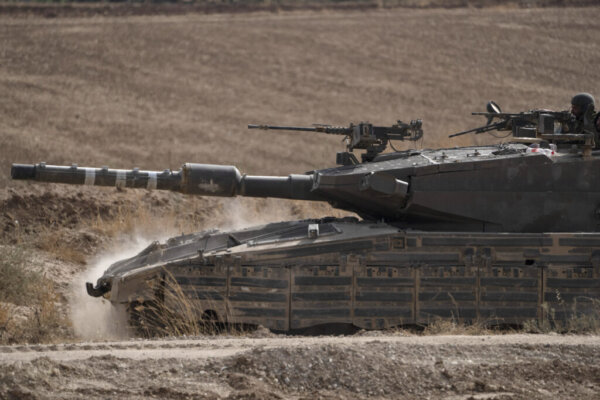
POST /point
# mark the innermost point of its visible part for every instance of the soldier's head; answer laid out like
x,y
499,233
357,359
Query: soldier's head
x,y
580,102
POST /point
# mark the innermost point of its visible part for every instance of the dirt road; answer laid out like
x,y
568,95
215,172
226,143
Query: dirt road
x,y
360,366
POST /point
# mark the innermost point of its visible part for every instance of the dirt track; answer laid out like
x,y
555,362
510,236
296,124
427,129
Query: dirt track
x,y
452,367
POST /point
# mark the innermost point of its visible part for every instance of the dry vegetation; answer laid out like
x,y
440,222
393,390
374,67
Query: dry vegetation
x,y
30,307
175,316
578,323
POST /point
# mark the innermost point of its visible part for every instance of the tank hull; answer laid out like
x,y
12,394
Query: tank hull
x,y
300,274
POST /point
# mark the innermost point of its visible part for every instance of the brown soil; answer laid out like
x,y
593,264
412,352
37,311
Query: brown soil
x,y
157,91
388,366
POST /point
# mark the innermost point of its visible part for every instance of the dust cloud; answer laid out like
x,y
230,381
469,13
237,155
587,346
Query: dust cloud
x,y
96,318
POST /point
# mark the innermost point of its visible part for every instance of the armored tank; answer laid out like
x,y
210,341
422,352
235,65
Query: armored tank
x,y
500,234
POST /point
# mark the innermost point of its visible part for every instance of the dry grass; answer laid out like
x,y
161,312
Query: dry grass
x,y
30,308
578,317
47,322
577,322
453,327
87,236
56,243
16,280
139,218
175,314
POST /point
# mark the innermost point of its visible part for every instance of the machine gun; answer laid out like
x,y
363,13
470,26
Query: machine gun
x,y
538,126
373,139
524,124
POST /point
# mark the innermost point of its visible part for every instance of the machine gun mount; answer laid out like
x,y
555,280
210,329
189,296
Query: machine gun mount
x,y
373,139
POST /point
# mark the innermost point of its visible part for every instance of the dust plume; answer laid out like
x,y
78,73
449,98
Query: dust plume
x,y
96,318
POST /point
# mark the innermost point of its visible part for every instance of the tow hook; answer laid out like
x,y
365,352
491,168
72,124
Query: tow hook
x,y
98,290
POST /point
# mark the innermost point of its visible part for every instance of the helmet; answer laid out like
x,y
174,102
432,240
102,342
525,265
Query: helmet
x,y
582,100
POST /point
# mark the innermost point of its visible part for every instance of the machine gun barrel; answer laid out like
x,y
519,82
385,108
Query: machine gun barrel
x,y
503,115
194,179
335,130
482,129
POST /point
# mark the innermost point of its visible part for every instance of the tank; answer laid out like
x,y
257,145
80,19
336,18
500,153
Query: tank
x,y
497,234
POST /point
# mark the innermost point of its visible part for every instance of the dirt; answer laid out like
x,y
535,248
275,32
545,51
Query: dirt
x,y
398,366
154,91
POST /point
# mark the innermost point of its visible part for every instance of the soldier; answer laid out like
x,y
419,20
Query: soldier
x,y
581,104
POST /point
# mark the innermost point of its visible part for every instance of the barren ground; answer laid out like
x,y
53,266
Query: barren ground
x,y
157,91
371,366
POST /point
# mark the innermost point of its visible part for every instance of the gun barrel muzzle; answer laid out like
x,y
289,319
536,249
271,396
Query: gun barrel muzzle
x,y
74,175
22,171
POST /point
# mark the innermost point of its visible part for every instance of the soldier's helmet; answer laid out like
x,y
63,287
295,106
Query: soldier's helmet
x,y
581,101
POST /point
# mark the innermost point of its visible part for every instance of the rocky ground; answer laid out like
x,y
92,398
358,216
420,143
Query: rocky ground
x,y
275,367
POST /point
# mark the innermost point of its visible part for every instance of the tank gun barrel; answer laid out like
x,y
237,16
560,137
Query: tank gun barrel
x,y
194,179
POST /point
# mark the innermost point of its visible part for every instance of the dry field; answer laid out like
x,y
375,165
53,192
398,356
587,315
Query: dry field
x,y
157,91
